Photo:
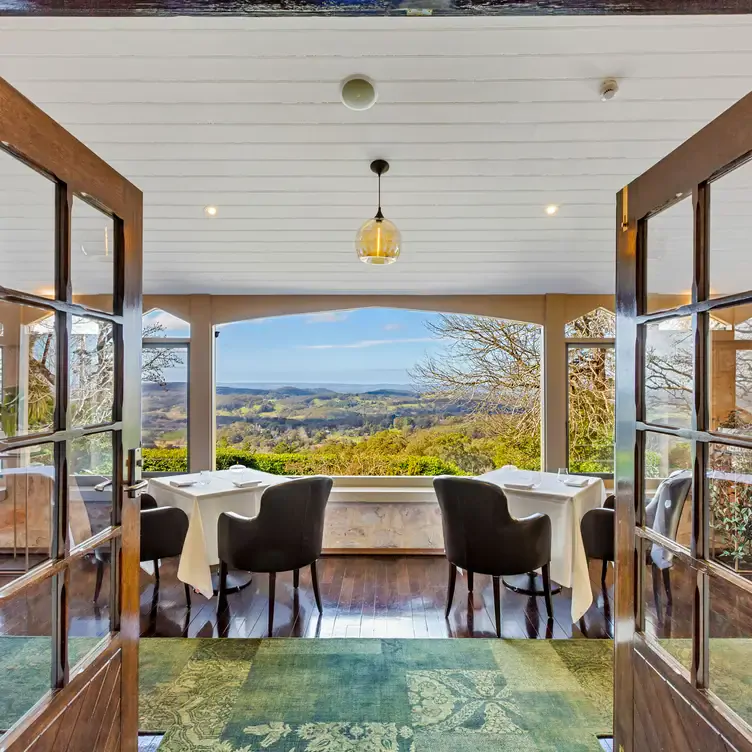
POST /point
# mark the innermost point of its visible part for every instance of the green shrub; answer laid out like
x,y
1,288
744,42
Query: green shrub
x,y
298,463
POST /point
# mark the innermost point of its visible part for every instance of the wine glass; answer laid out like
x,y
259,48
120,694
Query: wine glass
x,y
204,478
537,478
562,475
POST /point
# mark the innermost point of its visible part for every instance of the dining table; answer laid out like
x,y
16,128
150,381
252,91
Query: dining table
x,y
204,497
565,500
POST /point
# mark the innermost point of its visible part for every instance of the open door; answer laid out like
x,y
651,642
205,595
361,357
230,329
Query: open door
x,y
70,344
683,674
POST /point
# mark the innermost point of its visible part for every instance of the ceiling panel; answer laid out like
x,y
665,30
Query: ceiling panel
x,y
486,121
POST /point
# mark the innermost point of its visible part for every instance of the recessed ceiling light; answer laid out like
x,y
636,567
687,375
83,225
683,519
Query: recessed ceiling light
x,y
551,209
358,93
210,211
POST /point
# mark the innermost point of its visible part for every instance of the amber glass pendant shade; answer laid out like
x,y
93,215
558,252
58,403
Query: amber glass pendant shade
x,y
378,240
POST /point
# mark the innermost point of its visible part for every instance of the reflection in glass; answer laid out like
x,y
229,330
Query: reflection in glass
x,y
90,489
669,365
668,601
668,490
158,323
731,645
731,372
92,372
730,230
27,228
591,372
25,650
599,323
92,259
27,489
670,256
88,620
29,346
730,486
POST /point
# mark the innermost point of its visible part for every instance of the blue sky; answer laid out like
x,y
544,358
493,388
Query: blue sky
x,y
365,346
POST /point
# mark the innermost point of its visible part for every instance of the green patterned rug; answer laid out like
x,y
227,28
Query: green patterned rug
x,y
343,695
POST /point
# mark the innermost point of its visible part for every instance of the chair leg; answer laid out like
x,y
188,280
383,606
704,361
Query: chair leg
x,y
469,582
222,599
156,570
450,589
187,594
497,605
100,577
296,578
604,571
547,590
272,587
315,582
667,584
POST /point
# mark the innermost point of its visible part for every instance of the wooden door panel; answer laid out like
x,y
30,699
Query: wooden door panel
x,y
664,720
83,716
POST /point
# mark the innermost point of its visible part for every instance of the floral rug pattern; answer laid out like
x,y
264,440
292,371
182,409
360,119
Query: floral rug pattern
x,y
213,695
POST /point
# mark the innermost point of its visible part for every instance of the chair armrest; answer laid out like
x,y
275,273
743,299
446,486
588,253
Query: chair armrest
x,y
163,532
610,502
236,537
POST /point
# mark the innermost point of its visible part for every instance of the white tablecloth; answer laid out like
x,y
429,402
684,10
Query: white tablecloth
x,y
203,505
565,506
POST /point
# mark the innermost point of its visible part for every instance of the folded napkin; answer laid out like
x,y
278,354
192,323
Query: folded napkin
x,y
520,485
246,483
182,483
577,481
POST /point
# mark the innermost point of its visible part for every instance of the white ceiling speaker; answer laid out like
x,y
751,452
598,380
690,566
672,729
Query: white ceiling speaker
x,y
358,93
609,89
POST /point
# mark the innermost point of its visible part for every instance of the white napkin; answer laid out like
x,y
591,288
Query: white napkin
x,y
182,483
577,481
520,485
246,483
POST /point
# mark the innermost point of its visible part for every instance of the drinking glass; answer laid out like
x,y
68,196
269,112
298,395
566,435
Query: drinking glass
x,y
562,475
204,478
537,478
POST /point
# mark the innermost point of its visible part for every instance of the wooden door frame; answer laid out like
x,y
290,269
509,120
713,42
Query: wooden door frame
x,y
715,150
30,135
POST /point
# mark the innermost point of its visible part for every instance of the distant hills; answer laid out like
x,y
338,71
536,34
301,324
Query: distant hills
x,y
303,388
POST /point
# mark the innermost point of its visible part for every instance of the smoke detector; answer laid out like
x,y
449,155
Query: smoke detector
x,y
358,93
609,89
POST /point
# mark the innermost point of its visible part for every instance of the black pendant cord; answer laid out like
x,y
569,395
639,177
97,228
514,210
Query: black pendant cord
x,y
379,214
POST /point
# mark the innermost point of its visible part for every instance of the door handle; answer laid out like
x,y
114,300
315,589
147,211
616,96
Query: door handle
x,y
136,486
103,485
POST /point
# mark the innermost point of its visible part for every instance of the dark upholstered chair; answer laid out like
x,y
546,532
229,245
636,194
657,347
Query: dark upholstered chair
x,y
163,531
480,535
598,532
663,514
287,534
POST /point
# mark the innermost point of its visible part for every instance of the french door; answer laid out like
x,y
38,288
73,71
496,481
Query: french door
x,y
70,332
683,653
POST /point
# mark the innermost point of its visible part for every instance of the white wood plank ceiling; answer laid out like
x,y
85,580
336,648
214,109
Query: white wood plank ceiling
x,y
485,122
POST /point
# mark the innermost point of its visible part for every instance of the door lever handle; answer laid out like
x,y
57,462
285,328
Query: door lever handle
x,y
136,486
101,486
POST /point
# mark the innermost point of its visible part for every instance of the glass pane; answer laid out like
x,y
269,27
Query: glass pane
x,y
669,365
668,487
88,619
28,347
164,398
90,498
591,409
730,231
731,646
668,601
598,323
670,256
730,486
92,259
27,228
92,372
25,650
159,323
731,371
27,491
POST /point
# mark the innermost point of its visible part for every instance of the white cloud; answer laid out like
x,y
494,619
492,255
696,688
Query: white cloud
x,y
392,327
326,317
366,343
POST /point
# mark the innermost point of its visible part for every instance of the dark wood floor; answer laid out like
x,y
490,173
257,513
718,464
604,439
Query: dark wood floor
x,y
363,596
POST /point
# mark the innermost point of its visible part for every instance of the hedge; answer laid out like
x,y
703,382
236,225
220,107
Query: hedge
x,y
176,460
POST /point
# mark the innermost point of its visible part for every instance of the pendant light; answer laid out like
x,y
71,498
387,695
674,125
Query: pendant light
x,y
378,240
